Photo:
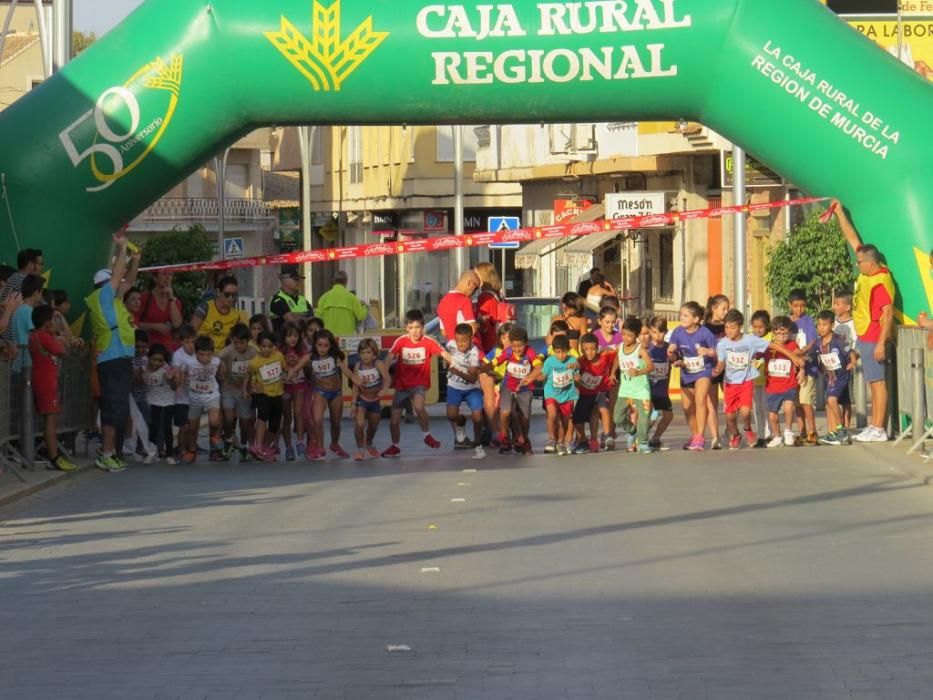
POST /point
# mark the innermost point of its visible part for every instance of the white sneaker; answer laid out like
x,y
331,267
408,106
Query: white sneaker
x,y
872,434
788,438
479,452
151,457
777,441
460,434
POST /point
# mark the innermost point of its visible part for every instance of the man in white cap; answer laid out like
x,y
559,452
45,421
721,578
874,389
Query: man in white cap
x,y
114,345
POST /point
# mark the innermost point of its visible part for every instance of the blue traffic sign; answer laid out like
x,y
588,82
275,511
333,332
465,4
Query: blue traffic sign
x,y
233,248
504,223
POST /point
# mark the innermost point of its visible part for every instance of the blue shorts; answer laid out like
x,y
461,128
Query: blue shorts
x,y
473,398
369,406
839,389
329,395
776,401
872,370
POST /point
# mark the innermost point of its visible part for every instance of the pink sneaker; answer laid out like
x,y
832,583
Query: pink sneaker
x,y
270,455
697,444
431,442
317,455
339,451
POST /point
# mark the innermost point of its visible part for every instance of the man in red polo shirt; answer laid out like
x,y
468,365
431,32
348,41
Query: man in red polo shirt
x,y
456,306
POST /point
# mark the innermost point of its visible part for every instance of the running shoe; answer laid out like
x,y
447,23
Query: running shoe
x,y
811,440
594,446
317,454
270,455
610,443
558,450
300,450
372,451
751,437
391,452
62,464
843,436
645,448
550,448
257,452
109,464
788,438
505,447
189,457
459,435
479,452
735,442
776,441
431,442
799,441
830,438
715,444
463,444
228,449
697,444
289,454
216,455
633,447
872,434
338,450
582,448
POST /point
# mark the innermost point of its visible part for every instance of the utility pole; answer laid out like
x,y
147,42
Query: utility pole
x,y
62,30
460,261
739,249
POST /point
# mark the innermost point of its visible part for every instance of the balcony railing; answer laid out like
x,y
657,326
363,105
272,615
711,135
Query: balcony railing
x,y
204,208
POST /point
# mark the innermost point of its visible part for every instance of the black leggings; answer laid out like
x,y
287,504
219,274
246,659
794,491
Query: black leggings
x,y
269,410
160,427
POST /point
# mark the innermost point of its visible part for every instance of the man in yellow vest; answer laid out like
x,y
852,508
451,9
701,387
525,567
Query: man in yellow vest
x,y
289,304
340,309
115,345
873,312
216,317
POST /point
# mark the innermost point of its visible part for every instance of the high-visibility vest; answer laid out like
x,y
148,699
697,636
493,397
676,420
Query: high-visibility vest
x,y
103,331
295,306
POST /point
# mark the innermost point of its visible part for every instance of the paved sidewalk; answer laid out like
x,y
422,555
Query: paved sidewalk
x,y
790,573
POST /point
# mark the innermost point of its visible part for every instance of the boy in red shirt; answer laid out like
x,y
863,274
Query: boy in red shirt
x,y
782,384
516,391
45,350
596,379
411,355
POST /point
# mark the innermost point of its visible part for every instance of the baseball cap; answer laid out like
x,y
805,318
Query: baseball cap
x,y
102,275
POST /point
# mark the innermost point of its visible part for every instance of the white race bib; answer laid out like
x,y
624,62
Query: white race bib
x,y
322,369
627,363
661,371
831,361
271,373
737,361
414,356
694,364
154,379
780,368
370,377
197,387
519,370
239,368
562,379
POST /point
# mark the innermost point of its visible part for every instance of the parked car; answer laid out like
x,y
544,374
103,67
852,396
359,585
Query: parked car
x,y
534,314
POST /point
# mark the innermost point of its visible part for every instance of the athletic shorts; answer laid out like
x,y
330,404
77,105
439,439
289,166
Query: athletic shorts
x,y
268,410
872,370
839,389
472,397
739,396
369,406
233,400
587,404
329,395
46,395
719,379
776,401
510,402
297,388
661,403
403,395
116,382
180,415
807,395
564,409
196,410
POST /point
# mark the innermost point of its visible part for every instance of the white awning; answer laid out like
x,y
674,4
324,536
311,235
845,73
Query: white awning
x,y
527,258
580,252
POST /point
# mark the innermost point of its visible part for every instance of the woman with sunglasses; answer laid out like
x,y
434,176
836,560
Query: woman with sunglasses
x,y
216,317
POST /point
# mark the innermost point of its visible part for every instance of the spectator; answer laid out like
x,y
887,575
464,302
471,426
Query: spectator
x,y
456,306
340,309
289,304
161,312
12,303
487,305
132,300
61,305
573,313
597,290
115,344
873,312
216,317
21,325
589,281
29,262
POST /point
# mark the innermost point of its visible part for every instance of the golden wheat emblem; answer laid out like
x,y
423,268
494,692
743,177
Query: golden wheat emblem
x,y
167,77
325,60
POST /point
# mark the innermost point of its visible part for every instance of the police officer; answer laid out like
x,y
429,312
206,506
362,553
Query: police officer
x,y
289,304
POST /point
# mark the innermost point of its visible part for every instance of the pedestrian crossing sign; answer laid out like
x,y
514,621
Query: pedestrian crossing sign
x,y
504,223
233,248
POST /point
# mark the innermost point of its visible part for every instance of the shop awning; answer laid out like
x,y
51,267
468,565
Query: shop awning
x,y
527,258
580,252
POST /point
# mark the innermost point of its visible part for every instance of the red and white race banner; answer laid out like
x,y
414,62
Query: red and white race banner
x,y
469,240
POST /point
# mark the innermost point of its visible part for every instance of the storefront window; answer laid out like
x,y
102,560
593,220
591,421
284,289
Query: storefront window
x,y
426,280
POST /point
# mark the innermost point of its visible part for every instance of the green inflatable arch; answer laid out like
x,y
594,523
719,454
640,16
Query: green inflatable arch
x,y
180,79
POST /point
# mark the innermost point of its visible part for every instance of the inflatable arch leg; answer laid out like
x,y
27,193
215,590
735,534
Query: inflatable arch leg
x,y
180,79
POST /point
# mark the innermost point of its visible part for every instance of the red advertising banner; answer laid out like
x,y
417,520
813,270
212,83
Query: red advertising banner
x,y
470,240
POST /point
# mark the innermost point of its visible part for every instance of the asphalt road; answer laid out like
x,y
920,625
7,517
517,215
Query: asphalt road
x,y
790,573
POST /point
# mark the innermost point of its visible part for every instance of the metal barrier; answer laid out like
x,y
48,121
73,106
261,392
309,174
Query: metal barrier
x,y
16,405
914,386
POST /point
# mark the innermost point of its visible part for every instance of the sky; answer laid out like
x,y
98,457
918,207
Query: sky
x,y
100,16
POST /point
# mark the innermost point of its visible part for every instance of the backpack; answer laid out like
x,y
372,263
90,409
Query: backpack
x,y
505,312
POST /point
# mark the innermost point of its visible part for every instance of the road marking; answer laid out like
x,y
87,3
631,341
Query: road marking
x,y
395,648
430,570
469,471
432,526
464,483
458,500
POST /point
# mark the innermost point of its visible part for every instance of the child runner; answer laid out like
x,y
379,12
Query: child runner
x,y
595,379
845,326
609,338
204,394
491,382
144,448
463,387
266,372
806,340
560,371
371,377
716,309
761,326
692,348
837,360
782,384
183,360
296,353
46,351
235,359
514,394
259,323
660,380
635,366
160,392
328,367
411,355
736,352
